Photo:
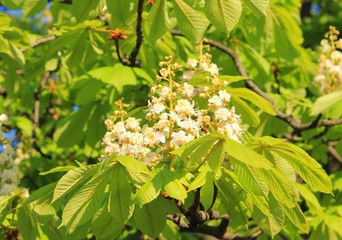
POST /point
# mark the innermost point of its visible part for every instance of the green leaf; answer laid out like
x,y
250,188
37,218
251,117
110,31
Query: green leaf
x,y
199,181
234,199
31,7
155,23
246,155
248,114
310,200
136,169
232,79
207,191
216,155
40,201
310,170
190,22
296,216
73,179
83,205
118,76
70,131
251,180
150,218
85,9
5,205
172,186
120,205
105,225
279,185
224,14
254,98
272,223
258,7
12,51
150,190
330,104
27,225
122,11
58,169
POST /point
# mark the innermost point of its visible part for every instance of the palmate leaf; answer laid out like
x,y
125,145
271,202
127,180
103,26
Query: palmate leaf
x,y
150,218
72,180
207,191
120,191
150,190
83,205
247,113
310,170
258,7
224,14
172,186
330,105
191,22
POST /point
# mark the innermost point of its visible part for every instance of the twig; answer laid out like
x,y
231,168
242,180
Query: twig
x,y
36,115
178,221
118,51
40,41
133,56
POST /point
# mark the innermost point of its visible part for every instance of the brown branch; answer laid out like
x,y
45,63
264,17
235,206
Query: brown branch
x,y
133,56
36,113
294,123
333,152
40,41
118,51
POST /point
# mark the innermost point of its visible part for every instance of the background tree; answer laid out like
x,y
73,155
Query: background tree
x,y
64,65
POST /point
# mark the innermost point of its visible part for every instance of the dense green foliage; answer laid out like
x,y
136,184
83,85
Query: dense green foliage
x,y
65,68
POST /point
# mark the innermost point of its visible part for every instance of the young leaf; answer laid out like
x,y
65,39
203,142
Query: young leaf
x,y
191,22
224,14
58,169
150,218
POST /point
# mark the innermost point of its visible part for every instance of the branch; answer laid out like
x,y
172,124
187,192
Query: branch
x,y
294,123
40,41
333,152
133,57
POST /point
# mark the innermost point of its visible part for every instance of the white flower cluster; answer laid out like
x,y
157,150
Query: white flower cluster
x,y
173,116
329,76
9,172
